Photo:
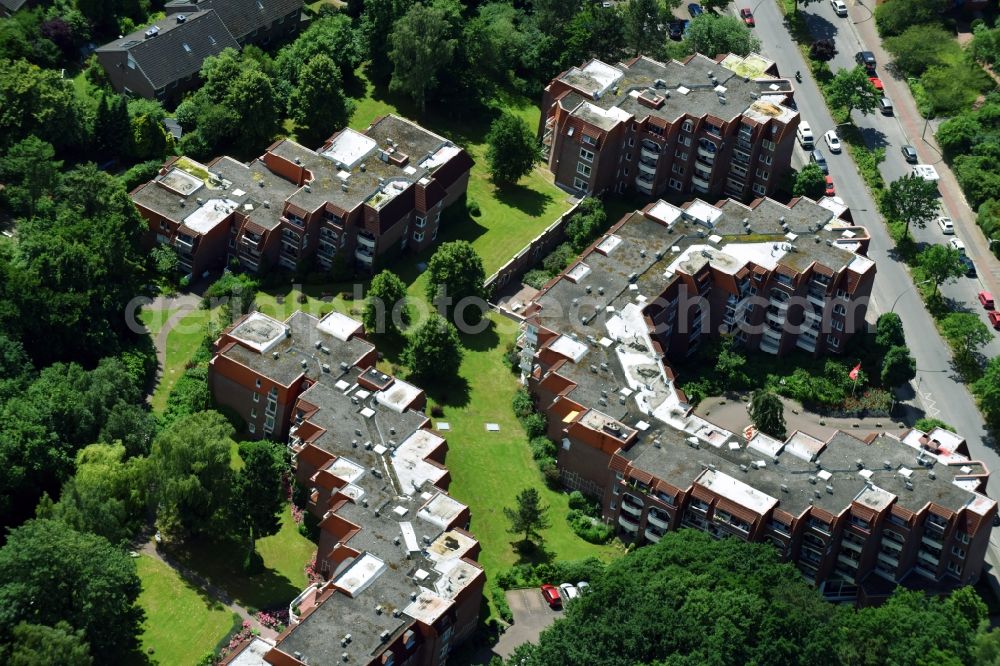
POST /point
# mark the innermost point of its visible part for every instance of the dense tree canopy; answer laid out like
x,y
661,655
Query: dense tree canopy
x,y
423,42
29,172
433,350
318,104
512,149
456,273
714,34
385,306
851,89
810,182
37,644
767,413
40,102
51,573
911,200
332,36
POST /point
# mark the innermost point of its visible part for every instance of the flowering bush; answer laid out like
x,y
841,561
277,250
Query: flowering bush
x,y
311,573
236,639
276,620
296,514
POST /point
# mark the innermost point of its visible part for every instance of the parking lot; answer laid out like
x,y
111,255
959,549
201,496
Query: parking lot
x,y
531,616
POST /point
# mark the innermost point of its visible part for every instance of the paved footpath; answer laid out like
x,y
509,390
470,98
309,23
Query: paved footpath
x,y
896,89
183,304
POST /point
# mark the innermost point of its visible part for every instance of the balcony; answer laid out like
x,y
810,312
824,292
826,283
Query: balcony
x,y
741,156
628,524
777,317
844,559
851,545
927,557
768,345
366,240
934,543
632,509
364,257
643,186
700,182
710,154
806,343
816,299
647,168
648,154
653,518
651,535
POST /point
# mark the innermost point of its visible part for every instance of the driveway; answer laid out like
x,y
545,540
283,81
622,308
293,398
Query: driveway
x,y
531,615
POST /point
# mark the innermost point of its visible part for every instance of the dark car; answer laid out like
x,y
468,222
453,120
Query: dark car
x,y
910,154
676,30
970,268
695,10
747,17
866,58
817,157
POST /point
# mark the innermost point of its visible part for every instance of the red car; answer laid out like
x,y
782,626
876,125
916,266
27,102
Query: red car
x,y
986,299
994,318
551,595
747,17
830,189
877,82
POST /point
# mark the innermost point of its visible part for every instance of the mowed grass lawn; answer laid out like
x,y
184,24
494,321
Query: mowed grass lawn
x,y
181,624
182,342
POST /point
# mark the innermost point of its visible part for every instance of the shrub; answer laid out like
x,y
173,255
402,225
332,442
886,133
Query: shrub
x,y
536,278
543,448
473,207
500,602
577,500
589,529
550,472
534,425
559,258
524,404
927,425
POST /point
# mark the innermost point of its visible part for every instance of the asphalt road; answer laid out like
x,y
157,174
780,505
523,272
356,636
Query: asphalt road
x,y
937,392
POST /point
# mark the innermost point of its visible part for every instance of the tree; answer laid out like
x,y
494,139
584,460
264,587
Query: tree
x,y
149,138
966,334
252,98
377,21
911,200
928,424
851,89
898,367
37,644
644,24
90,585
386,304
594,32
258,494
889,331
131,425
190,475
713,35
30,171
767,413
941,264
529,515
987,392
456,281
958,135
895,16
810,182
730,365
433,350
112,129
423,44
329,36
318,104
918,47
823,50
512,149
106,496
586,224
40,102
235,292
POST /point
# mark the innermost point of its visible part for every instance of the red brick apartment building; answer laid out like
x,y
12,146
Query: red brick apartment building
x,y
856,515
400,581
722,127
361,199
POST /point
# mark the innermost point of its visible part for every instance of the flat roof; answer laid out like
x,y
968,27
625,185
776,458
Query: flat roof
x,y
360,574
210,214
737,491
349,147
398,396
441,510
259,332
339,326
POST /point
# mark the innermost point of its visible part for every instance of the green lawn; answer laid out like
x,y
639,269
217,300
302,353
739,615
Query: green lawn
x,y
182,342
154,320
285,556
181,624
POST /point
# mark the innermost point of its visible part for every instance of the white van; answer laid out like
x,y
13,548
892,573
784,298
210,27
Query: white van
x,y
805,135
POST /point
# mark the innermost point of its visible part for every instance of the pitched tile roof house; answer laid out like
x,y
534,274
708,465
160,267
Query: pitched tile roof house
x,y
163,60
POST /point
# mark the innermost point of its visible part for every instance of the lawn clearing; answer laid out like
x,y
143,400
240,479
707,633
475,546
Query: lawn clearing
x,y
182,342
181,625
154,320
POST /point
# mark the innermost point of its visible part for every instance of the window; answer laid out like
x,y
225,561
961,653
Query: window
x,y
962,537
769,145
839,309
687,126
625,171
131,62
713,129
837,324
258,383
833,341
676,184
434,234
958,552
678,169
628,157
253,413
187,47
860,522
251,428
269,423
613,505
418,236
631,141
766,159
955,568
580,184
586,155
759,189
589,140
762,174
273,393
583,169
256,397
681,155
684,140
420,221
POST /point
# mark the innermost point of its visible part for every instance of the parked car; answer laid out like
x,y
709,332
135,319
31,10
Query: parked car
x,y
885,106
747,17
957,244
909,154
877,82
839,7
866,58
970,268
675,30
994,318
568,592
832,141
830,189
805,135
947,227
551,595
817,157
583,587
695,10
986,299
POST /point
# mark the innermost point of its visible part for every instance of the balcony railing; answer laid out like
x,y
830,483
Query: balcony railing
x,y
651,535
363,256
844,559
700,182
632,509
649,154
366,240
654,519
644,186
627,523
647,168
706,153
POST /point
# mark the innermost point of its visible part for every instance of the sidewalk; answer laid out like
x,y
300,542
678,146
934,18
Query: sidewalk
x,y
976,244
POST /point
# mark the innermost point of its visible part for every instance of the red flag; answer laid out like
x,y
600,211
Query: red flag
x,y
853,374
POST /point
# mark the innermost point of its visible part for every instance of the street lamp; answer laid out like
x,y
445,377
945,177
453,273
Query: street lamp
x,y
906,291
